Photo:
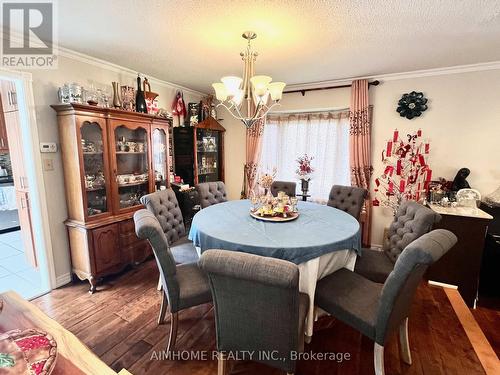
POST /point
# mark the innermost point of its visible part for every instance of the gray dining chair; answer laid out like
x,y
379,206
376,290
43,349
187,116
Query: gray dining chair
x,y
288,187
258,307
411,221
164,205
210,193
347,198
377,310
184,285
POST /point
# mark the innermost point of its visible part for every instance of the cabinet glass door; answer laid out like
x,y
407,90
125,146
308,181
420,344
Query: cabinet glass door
x,y
160,157
132,165
94,168
208,152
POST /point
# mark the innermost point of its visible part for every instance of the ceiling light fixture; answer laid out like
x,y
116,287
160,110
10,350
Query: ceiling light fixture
x,y
249,98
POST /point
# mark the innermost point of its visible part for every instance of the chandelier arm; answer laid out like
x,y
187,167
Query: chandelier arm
x,y
267,111
229,109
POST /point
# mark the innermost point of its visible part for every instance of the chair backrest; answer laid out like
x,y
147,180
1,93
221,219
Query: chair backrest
x,y
401,284
287,186
412,220
210,193
164,206
347,198
256,304
148,227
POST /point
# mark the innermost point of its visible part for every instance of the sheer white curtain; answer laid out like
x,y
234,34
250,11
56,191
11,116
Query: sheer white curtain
x,y
324,136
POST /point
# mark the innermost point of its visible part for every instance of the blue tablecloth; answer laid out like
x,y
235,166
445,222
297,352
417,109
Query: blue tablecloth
x,y
318,230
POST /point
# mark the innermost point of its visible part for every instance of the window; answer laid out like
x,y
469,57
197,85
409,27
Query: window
x,y
324,136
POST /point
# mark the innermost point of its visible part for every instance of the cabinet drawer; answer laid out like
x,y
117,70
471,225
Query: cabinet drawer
x,y
139,251
127,239
127,226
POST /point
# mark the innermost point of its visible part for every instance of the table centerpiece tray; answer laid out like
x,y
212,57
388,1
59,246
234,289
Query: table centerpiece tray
x,y
275,218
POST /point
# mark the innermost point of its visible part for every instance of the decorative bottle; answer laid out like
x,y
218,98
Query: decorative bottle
x,y
140,101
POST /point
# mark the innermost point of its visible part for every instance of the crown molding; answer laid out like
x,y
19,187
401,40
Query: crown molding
x,y
84,58
457,69
103,64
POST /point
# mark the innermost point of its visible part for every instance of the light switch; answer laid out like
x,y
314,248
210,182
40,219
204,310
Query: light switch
x,y
48,164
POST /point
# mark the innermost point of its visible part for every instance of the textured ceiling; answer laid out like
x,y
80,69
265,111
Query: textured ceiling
x,y
194,43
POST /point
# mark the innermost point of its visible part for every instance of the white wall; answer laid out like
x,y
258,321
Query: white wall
x,y
45,84
234,154
462,123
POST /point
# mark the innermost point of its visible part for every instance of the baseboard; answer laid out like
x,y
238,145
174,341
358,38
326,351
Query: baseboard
x,y
63,279
443,285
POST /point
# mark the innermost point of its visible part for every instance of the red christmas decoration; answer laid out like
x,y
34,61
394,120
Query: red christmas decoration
x,y
406,173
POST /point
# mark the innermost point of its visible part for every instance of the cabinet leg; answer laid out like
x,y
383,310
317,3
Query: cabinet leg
x,y
93,284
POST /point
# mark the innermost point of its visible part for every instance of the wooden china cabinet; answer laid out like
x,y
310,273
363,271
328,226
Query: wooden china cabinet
x,y
111,159
199,152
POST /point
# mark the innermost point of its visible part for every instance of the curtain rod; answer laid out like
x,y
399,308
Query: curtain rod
x,y
303,91
307,111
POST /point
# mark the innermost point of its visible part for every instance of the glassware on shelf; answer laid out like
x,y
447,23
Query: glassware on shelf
x,y
63,94
93,166
132,165
75,93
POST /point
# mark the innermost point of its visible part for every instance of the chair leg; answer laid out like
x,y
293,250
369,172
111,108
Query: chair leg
x,y
378,359
174,320
163,308
222,364
159,287
404,343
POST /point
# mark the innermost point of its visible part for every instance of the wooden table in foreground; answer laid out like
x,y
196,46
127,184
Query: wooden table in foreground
x,y
73,357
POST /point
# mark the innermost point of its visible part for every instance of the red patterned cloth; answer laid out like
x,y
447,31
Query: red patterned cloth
x,y
29,352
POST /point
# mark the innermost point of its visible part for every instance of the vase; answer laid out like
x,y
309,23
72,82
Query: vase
x,y
304,185
117,101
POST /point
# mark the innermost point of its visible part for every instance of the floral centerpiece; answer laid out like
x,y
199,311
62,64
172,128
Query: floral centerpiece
x,y
280,206
304,171
266,180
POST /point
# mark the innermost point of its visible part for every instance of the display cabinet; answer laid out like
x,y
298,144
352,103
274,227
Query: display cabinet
x,y
199,154
111,158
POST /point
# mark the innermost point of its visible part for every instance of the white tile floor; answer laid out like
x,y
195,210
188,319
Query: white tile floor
x,y
15,272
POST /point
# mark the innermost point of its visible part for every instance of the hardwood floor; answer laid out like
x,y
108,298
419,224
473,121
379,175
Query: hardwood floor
x,y
119,324
487,315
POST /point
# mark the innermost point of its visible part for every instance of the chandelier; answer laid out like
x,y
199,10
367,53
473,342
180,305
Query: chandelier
x,y
250,98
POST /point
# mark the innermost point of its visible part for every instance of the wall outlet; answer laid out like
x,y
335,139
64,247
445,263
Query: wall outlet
x,y
48,164
48,147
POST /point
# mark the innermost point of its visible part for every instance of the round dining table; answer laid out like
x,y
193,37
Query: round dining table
x,y
320,240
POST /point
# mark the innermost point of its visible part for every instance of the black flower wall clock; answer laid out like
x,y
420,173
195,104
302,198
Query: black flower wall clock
x,y
412,105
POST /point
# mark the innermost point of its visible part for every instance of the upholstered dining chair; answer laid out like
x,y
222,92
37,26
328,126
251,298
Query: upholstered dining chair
x,y
411,221
210,193
347,198
258,307
377,310
287,186
184,285
165,207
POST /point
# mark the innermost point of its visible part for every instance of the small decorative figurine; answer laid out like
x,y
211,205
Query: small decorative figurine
x,y
460,181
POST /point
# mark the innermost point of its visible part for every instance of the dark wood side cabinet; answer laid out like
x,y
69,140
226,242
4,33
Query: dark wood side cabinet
x,y
462,264
188,203
111,158
199,152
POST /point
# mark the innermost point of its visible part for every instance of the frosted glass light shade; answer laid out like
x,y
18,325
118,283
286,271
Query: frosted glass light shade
x,y
232,84
238,97
220,91
276,90
260,84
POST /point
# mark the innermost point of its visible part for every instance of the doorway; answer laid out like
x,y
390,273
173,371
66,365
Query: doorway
x,y
22,264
